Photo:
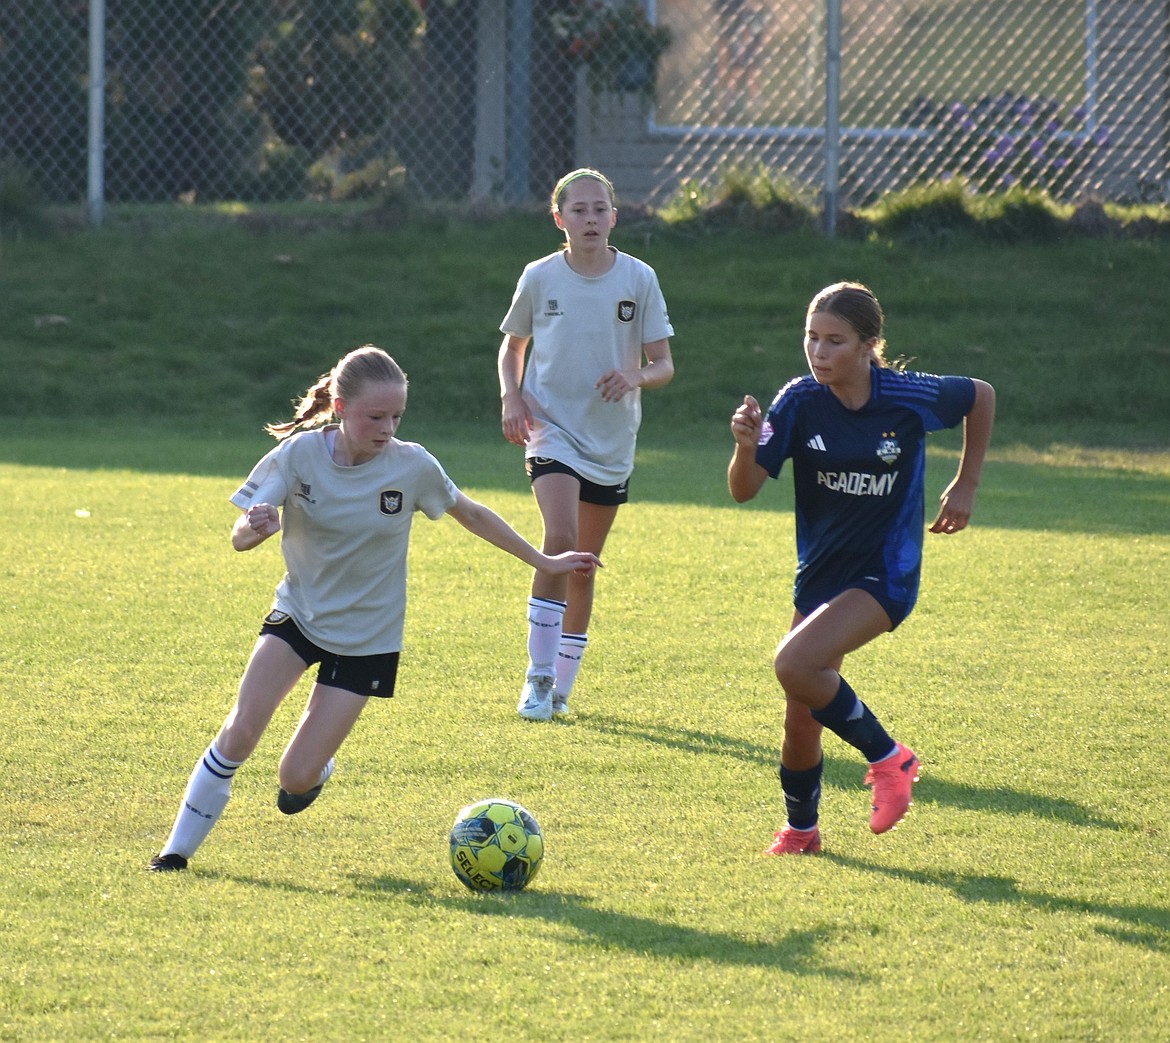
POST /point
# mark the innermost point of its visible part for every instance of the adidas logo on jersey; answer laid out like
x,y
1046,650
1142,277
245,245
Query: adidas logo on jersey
x,y
817,442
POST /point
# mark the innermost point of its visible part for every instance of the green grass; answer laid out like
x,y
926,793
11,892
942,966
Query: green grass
x,y
1026,896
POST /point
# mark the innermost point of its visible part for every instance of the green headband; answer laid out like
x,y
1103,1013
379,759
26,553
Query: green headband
x,y
576,175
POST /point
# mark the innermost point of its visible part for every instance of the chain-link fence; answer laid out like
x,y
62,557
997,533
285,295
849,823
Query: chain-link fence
x,y
263,100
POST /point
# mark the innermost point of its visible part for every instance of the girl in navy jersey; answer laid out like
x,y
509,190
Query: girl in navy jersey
x,y
855,431
599,332
344,495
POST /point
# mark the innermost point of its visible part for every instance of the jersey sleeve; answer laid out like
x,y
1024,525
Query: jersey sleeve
x,y
266,483
518,321
436,492
775,445
956,396
656,323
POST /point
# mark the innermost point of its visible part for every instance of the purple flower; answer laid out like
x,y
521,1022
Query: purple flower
x,y
1079,114
1036,146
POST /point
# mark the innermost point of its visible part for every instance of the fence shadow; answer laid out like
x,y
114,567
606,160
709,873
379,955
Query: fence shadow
x,y
687,468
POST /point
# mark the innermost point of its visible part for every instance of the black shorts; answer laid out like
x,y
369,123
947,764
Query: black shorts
x,y
591,492
372,675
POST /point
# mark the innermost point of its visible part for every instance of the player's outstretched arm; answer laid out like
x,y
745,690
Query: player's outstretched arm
x,y
958,499
489,526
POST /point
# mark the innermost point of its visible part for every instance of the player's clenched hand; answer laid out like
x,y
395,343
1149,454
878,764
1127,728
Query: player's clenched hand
x,y
263,519
747,421
955,506
617,383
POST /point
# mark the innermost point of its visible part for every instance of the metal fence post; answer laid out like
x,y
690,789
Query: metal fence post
x,y
95,176
519,101
832,113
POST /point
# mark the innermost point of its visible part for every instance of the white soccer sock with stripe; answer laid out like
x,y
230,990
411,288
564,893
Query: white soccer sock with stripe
x,y
546,618
206,796
569,657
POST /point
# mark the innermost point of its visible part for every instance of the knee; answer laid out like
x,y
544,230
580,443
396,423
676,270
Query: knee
x,y
297,777
558,540
792,670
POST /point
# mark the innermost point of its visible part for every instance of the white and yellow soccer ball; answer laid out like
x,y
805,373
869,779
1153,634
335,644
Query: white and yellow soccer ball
x,y
496,844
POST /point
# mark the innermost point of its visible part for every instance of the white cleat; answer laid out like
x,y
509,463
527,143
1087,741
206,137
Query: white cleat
x,y
536,700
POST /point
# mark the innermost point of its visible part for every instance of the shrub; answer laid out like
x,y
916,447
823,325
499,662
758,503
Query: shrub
x,y
1023,215
935,210
615,41
305,68
743,199
1008,141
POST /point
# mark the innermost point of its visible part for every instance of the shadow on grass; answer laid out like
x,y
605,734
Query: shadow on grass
x,y
797,952
685,467
845,773
1147,926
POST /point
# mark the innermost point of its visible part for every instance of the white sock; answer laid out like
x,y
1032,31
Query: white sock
x,y
206,796
569,657
545,620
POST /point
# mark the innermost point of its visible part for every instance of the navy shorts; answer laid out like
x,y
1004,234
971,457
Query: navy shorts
x,y
807,604
591,492
372,675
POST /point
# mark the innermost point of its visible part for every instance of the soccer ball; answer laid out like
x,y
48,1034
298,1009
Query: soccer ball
x,y
496,844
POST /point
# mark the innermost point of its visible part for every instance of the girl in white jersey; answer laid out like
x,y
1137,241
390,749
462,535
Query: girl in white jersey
x,y
344,494
599,331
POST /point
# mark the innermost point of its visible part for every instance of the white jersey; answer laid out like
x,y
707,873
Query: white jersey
x,y
582,327
345,535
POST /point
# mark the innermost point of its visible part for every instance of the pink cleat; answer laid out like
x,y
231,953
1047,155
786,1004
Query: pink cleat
x,y
892,781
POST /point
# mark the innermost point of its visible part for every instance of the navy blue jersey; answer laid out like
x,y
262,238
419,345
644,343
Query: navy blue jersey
x,y
859,477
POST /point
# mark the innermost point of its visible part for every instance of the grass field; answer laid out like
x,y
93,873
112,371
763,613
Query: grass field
x,y
1025,897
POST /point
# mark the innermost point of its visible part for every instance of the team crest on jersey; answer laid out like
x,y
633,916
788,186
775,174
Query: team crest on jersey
x,y
305,492
390,502
888,449
626,311
552,307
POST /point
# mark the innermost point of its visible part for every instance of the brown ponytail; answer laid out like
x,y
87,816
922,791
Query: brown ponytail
x,y
359,369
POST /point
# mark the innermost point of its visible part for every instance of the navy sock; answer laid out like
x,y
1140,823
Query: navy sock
x,y
848,717
802,794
